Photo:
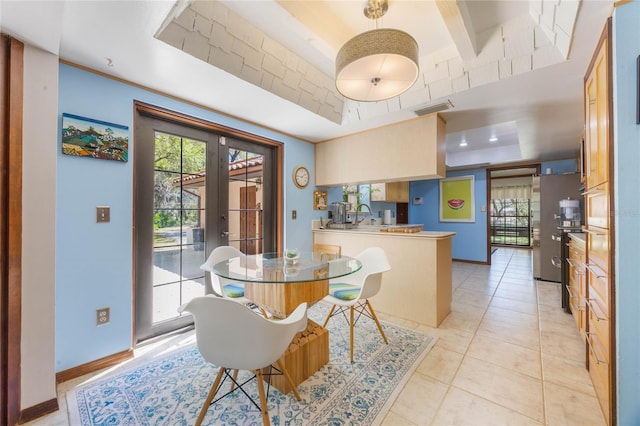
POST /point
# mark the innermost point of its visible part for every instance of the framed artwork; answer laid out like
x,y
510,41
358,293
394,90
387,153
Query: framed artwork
x,y
456,199
85,137
320,200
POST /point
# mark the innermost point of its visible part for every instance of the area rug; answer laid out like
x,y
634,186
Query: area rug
x,y
170,390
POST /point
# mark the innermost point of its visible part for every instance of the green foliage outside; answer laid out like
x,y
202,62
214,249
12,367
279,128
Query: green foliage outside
x,y
175,157
509,221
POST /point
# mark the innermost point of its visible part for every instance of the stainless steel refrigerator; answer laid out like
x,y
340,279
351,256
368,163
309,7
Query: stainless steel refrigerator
x,y
547,191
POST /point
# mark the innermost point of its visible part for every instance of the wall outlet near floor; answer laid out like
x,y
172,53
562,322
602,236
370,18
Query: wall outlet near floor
x,y
102,316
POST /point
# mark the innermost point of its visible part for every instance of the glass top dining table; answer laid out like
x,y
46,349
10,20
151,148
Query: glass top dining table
x,y
278,268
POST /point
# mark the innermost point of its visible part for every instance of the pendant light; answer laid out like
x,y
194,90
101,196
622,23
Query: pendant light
x,y
377,64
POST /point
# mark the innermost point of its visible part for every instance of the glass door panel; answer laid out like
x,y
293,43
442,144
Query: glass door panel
x,y
246,200
179,223
185,177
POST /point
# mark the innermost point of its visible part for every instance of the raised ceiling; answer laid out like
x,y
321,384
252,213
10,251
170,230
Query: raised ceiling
x,y
511,68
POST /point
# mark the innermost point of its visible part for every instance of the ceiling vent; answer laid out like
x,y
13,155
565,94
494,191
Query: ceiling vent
x,y
443,106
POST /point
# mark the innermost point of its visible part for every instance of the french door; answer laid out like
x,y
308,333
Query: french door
x,y
196,189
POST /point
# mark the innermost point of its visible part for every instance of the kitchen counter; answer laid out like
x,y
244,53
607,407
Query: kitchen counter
x,y
419,285
376,231
578,236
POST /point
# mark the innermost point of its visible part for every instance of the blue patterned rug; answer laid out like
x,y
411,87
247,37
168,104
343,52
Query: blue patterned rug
x,y
170,390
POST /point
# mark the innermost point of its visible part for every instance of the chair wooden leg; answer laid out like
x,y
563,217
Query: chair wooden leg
x,y
288,377
351,309
263,399
375,318
333,308
210,396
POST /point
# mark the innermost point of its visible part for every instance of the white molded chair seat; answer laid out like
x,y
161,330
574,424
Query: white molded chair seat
x,y
222,287
353,291
232,337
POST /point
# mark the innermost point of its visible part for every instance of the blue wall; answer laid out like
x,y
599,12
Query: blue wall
x,y
470,242
559,167
626,48
94,261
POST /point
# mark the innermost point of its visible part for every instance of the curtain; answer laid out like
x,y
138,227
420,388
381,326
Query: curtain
x,y
510,188
509,192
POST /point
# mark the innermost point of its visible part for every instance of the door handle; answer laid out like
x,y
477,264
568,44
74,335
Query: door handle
x,y
224,234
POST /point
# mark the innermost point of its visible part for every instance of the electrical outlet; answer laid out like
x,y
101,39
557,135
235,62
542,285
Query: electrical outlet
x,y
294,214
102,316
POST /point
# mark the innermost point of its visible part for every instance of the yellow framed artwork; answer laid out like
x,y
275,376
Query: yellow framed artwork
x,y
456,199
320,200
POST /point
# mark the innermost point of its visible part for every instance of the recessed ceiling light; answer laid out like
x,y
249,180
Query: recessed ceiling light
x,y
493,139
463,143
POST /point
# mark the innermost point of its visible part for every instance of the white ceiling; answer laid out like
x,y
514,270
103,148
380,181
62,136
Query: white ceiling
x,y
536,114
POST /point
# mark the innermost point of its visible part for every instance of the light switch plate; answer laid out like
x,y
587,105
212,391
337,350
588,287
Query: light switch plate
x,y
103,214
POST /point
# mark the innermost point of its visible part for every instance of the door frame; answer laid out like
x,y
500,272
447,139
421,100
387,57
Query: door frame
x,y
488,172
141,108
11,111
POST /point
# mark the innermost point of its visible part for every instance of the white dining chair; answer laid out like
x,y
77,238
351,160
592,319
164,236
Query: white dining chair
x,y
223,287
352,292
229,334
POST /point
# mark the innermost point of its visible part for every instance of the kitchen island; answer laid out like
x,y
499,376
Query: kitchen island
x,y
418,286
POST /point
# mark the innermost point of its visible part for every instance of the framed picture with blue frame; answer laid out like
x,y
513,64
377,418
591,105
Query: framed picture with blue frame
x,y
86,137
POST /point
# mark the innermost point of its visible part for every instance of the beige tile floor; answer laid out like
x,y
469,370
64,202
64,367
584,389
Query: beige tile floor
x,y
506,355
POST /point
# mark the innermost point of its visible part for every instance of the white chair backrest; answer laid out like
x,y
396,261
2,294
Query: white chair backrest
x,y
374,263
231,335
219,254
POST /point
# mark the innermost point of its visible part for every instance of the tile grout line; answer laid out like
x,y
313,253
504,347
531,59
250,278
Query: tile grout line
x,y
450,384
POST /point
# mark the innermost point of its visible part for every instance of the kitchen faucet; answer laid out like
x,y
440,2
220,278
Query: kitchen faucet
x,y
358,209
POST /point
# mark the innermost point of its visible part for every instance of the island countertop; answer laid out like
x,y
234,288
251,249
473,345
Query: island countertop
x,y
376,229
418,287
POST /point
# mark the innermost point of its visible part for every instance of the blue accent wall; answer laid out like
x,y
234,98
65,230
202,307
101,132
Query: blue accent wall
x,y
559,167
626,48
470,241
94,261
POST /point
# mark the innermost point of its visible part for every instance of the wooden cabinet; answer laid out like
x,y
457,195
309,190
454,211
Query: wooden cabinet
x,y
597,205
397,192
599,227
577,282
597,118
410,150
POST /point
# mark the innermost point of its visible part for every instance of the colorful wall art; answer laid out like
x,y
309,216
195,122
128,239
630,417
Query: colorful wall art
x,y
456,199
84,137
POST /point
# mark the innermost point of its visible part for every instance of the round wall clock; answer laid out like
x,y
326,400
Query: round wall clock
x,y
301,177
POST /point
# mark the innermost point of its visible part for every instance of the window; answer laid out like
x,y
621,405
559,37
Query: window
x,y
510,222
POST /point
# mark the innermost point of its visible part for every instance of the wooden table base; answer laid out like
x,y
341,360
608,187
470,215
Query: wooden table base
x,y
309,349
280,299
306,354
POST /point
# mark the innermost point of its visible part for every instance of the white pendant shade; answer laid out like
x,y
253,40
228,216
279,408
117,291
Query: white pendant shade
x,y
377,65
